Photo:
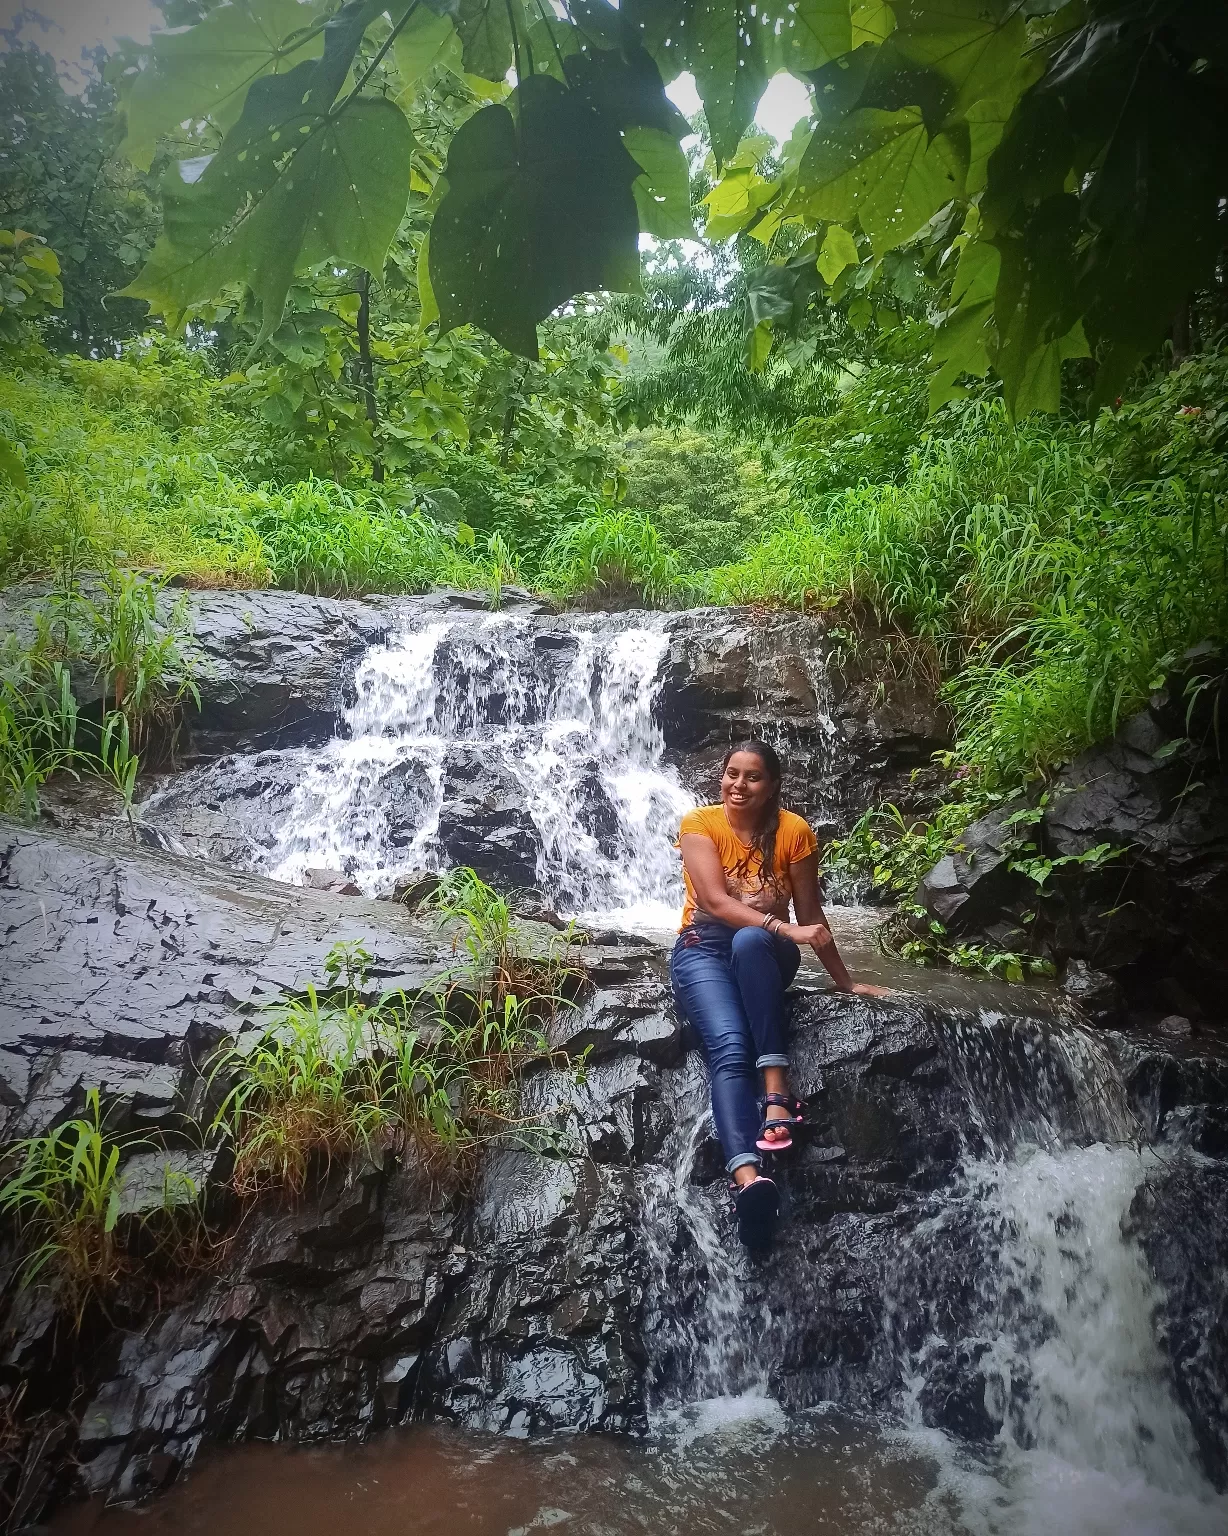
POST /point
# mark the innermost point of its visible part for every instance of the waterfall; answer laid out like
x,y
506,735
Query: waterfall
x,y
1027,1294
560,726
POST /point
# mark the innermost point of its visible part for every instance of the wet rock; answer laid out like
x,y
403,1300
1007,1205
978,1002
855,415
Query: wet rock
x,y
1095,993
1152,913
853,729
1180,1217
413,889
970,887
1176,1025
330,880
117,962
484,824
158,1180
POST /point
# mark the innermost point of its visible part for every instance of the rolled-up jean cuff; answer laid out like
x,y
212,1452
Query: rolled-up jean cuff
x,y
741,1161
773,1060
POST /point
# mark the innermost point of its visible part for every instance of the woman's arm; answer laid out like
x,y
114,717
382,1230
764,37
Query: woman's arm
x,y
703,864
811,920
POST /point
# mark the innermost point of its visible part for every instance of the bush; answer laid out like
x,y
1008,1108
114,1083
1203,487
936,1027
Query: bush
x,y
613,558
1053,584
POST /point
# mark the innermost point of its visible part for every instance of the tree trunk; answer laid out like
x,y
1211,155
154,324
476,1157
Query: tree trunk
x,y
367,368
1181,335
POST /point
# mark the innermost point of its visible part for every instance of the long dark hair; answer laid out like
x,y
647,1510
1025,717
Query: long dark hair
x,y
764,839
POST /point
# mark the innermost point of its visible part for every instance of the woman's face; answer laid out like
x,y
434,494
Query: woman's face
x,y
746,784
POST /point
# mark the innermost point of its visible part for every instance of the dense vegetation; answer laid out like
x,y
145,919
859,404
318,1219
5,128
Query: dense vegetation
x,y
832,401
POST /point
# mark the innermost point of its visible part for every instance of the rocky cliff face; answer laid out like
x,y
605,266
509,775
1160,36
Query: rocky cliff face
x,y
1145,926
565,1291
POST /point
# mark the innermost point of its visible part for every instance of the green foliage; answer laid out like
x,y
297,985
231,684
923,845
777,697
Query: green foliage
x,y
140,660
1054,173
1053,571
317,537
61,179
704,495
38,725
29,283
140,657
64,1198
613,558
1052,170
911,934
890,852
484,928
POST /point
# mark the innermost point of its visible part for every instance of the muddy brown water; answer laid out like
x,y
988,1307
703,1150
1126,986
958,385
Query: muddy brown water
x,y
829,1477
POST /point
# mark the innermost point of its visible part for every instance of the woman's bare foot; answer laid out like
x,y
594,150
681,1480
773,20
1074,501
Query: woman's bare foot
x,y
776,1112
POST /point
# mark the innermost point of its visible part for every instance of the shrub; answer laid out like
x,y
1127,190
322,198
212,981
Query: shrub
x,y
613,558
64,1198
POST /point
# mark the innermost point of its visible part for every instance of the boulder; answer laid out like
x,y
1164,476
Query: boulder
x,y
1094,993
970,888
330,880
1152,915
119,961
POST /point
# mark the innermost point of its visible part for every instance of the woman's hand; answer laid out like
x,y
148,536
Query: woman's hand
x,y
817,935
866,989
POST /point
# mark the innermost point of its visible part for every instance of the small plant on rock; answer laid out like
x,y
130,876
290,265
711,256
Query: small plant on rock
x,y
65,1200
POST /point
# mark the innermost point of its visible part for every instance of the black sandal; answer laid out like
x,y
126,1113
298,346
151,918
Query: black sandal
x,y
783,1123
757,1205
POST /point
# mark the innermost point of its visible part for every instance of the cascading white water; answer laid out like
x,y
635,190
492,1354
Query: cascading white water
x,y
578,741
1093,1439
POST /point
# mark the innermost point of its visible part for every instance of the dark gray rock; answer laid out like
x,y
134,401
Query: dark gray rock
x,y
118,961
970,887
852,727
272,665
1153,914
1094,993
1180,1217
483,822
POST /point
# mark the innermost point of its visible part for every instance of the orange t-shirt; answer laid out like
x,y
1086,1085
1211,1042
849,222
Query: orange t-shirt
x,y
743,866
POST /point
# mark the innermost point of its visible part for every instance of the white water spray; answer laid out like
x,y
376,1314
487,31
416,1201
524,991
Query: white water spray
x,y
578,741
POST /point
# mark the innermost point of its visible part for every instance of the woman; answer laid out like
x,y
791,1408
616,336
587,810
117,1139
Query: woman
x,y
743,861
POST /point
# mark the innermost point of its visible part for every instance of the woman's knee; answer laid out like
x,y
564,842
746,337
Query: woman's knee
x,y
753,941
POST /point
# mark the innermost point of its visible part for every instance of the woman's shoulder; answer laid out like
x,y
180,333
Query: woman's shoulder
x,y
704,819
797,830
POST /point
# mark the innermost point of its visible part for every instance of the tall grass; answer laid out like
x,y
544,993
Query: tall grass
x,y
63,1195
332,1072
1055,571
611,558
136,463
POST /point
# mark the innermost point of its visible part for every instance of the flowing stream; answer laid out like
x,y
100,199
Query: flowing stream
x,y
1092,1439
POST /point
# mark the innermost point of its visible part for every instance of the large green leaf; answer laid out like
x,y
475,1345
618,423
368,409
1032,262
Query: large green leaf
x,y
205,71
883,169
663,192
839,251
806,34
723,43
980,46
966,335
1035,302
291,186
489,31
425,39
538,207
1155,206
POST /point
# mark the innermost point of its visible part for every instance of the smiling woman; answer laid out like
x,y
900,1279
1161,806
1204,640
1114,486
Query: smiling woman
x,y
744,862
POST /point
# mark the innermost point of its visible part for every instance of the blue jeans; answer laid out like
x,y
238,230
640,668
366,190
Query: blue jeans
x,y
730,984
